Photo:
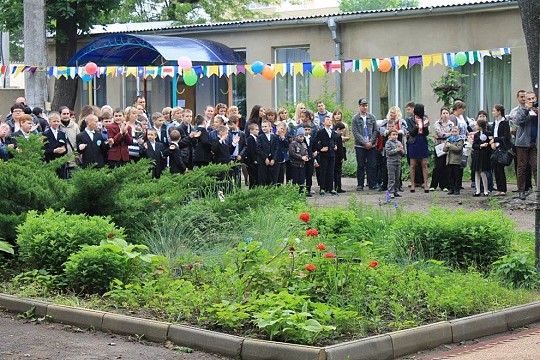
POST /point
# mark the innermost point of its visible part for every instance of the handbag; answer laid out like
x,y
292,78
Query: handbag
x,y
503,157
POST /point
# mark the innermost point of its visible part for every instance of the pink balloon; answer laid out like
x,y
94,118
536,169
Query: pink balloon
x,y
185,63
91,68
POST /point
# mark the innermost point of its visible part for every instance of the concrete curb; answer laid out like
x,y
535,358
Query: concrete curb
x,y
206,340
380,347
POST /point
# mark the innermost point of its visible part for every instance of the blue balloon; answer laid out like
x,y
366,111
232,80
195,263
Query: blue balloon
x,y
87,78
257,67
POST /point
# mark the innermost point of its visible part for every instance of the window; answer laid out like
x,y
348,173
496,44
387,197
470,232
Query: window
x,y
495,76
231,90
291,89
396,87
98,86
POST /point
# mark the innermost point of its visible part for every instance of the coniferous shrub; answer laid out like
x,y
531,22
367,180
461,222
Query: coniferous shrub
x,y
46,240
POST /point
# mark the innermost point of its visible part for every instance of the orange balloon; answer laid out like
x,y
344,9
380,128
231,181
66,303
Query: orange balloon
x,y
268,72
385,65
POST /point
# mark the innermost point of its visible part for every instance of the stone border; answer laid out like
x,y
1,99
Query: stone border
x,y
387,346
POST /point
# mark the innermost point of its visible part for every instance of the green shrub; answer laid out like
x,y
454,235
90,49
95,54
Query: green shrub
x,y
92,269
517,270
47,240
459,238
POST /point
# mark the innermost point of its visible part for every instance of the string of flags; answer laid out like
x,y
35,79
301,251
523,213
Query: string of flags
x,y
269,71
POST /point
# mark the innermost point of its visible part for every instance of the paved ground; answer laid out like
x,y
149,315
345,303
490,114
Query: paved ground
x,y
22,339
523,344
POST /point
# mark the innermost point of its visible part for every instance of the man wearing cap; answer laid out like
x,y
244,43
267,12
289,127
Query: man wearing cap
x,y
364,129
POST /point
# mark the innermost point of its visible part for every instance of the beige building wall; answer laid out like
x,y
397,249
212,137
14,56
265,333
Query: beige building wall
x,y
368,35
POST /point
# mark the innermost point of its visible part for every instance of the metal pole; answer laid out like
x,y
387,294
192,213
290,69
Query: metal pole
x,y
537,207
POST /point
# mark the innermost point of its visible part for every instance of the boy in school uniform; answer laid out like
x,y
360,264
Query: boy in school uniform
x,y
92,144
267,147
341,156
56,143
326,144
250,155
176,164
312,154
298,155
237,139
202,146
393,150
282,153
153,149
160,128
221,148
454,148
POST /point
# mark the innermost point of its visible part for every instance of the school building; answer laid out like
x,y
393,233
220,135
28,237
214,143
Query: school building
x,y
418,41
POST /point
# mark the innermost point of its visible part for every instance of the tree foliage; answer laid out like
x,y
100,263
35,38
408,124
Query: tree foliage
x,y
362,5
530,19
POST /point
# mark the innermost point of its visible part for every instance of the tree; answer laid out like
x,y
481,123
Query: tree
x,y
362,5
67,19
185,11
530,19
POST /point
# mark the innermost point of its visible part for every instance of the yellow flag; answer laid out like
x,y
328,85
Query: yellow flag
x,y
437,59
404,61
212,70
298,68
279,69
131,70
426,60
365,65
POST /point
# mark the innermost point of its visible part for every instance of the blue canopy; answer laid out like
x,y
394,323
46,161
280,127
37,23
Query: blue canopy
x,y
144,50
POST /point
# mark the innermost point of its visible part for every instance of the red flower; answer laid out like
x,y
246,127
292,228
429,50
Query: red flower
x,y
329,255
111,235
312,232
321,247
310,267
373,264
304,217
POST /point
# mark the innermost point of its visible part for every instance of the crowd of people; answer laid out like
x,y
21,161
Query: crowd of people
x,y
273,147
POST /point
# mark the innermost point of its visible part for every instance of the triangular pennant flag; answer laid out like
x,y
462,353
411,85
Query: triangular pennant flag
x,y
307,67
150,71
213,70
497,53
415,60
111,71
51,71
248,68
231,69
449,60
140,72
200,70
101,71
437,59
62,71
374,64
348,65
167,71
279,69
119,70
426,60
335,66
298,69
484,53
357,65
505,51
241,69
395,62
365,65
3,69
403,61
72,72
131,70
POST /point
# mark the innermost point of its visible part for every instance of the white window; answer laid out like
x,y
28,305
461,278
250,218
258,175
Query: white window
x,y
395,88
291,89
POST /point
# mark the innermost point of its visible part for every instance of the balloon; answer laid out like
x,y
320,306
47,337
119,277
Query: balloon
x,y
185,63
87,78
318,71
268,72
190,77
91,68
257,67
460,58
385,65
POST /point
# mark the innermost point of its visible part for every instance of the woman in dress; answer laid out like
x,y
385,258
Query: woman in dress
x,y
418,126
502,141
443,129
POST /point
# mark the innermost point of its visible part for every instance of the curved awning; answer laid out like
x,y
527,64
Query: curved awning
x,y
144,50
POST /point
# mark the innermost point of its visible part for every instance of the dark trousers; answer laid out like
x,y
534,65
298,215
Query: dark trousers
x,y
366,163
114,164
439,177
326,172
252,175
382,171
500,176
338,171
310,169
525,156
265,174
278,173
298,175
454,177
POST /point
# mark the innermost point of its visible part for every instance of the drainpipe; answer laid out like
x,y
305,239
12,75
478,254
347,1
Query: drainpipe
x,y
333,26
